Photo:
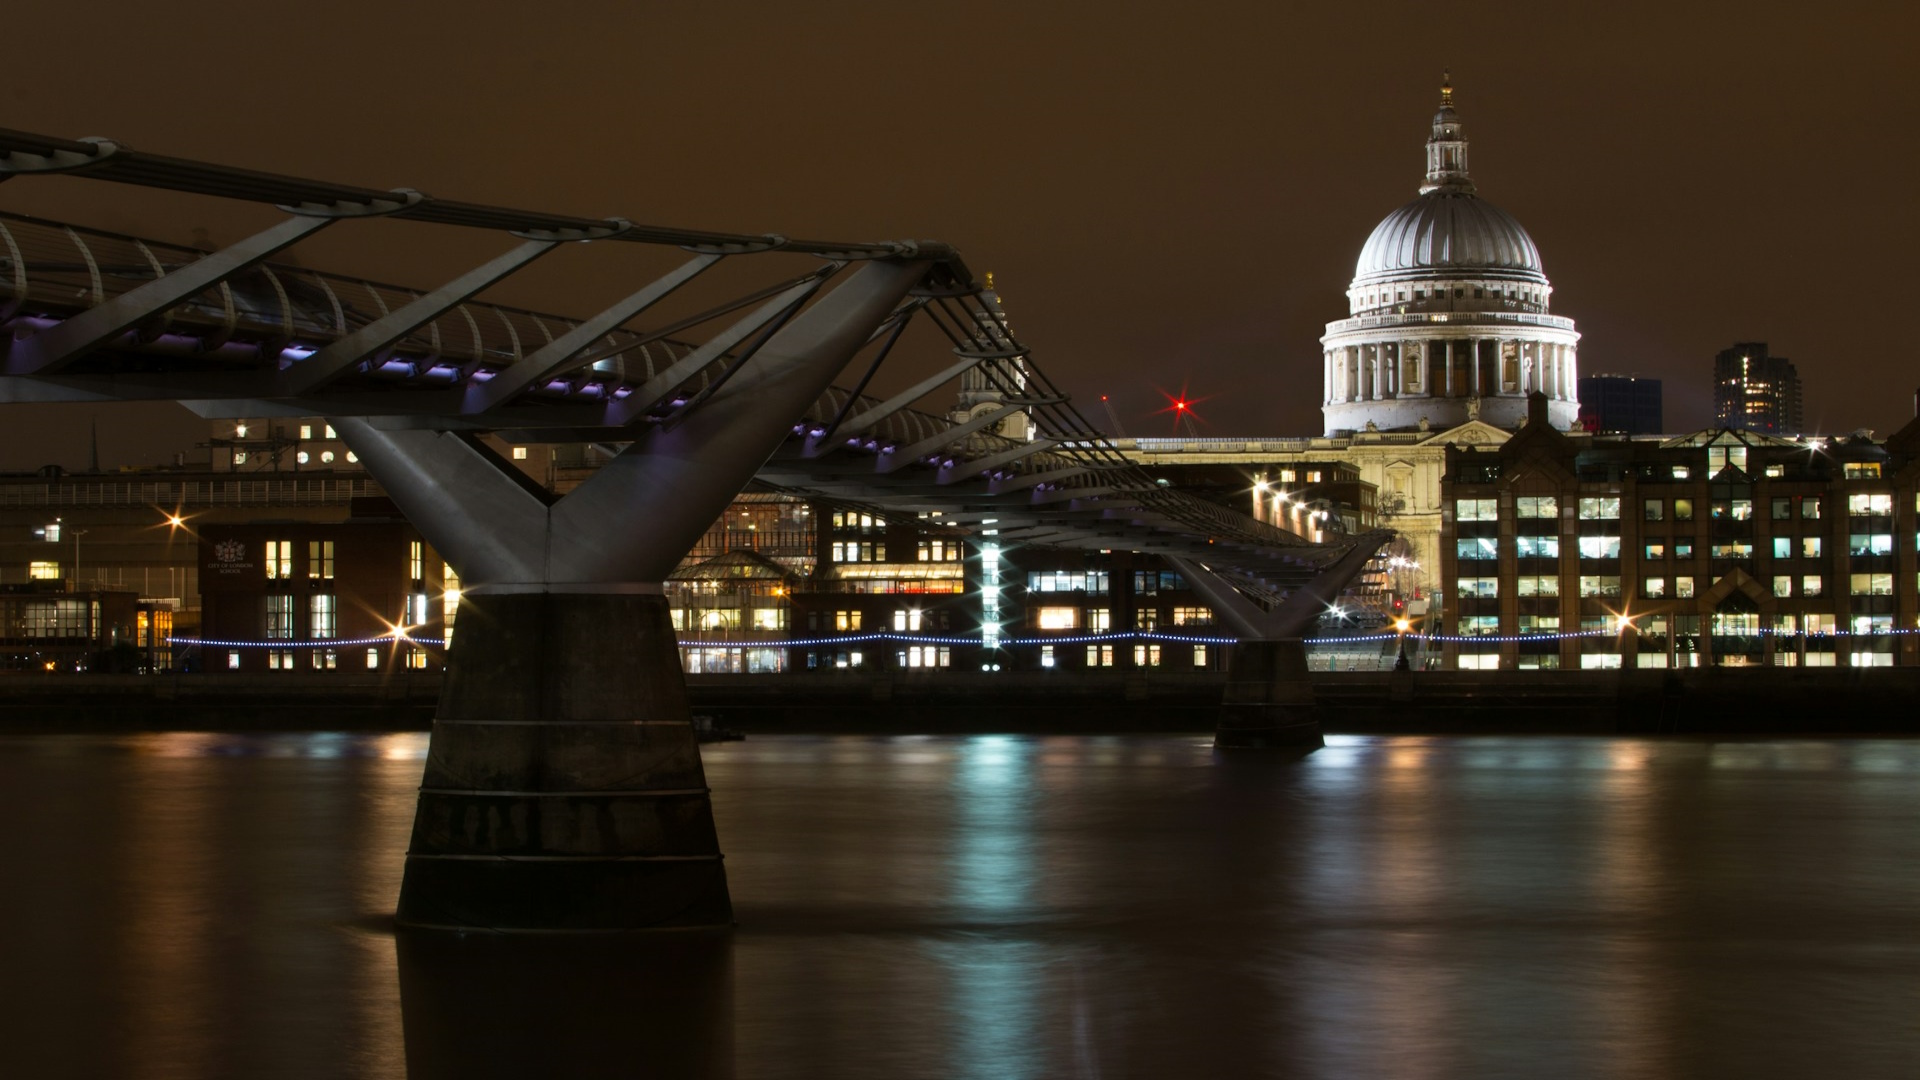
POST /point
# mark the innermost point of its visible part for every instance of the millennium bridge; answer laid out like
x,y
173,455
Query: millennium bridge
x,y
563,789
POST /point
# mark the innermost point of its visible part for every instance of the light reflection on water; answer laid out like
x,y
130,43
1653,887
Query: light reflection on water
x,y
206,905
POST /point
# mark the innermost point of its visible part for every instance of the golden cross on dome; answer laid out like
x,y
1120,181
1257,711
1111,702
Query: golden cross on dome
x,y
1446,89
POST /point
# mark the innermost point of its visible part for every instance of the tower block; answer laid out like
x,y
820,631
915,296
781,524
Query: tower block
x,y
563,790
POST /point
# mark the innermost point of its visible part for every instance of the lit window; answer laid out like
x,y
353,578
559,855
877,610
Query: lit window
x,y
1537,585
306,431
416,561
1810,507
1604,508
1681,472
280,559
1600,585
1653,588
373,659
519,453
1869,505
1811,585
1477,547
1599,547
1099,656
1537,547
239,431
1655,551
324,616
1871,584
1782,585
1870,544
1863,470
1099,620
1146,655
1683,509
417,658
352,457
1199,656
1809,547
1058,617
43,571
326,456
1654,509
1536,506
239,457
1479,587
320,560
302,457
233,658
1783,547
1475,510
1683,587
279,617
330,433
1046,656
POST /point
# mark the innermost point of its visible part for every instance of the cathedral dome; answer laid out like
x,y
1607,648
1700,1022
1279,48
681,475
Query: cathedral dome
x,y
1449,313
1449,230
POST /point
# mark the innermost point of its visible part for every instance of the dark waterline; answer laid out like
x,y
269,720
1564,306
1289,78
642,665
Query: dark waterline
x,y
197,905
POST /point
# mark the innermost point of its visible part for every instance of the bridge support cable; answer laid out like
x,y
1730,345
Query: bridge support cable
x,y
342,355
899,326
659,389
553,359
564,789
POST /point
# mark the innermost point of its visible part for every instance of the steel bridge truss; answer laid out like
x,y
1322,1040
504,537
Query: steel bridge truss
x,y
96,316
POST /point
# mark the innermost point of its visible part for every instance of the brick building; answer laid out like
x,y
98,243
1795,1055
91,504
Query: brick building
x,y
1724,547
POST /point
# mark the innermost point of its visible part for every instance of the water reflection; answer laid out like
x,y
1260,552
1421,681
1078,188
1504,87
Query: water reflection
x,y
203,905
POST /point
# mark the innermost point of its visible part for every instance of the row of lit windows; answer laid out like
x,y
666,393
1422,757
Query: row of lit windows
x,y
415,658
1607,508
306,431
852,551
1100,620
1046,581
942,551
1654,588
847,519
326,457
1459,292
279,560
1861,545
1144,655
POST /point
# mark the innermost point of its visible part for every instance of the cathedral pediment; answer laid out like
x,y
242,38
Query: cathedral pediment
x,y
1471,433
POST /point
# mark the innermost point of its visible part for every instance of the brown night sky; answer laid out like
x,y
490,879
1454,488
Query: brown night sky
x,y
1168,194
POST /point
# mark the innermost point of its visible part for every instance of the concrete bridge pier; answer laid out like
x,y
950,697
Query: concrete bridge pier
x,y
1268,702
563,790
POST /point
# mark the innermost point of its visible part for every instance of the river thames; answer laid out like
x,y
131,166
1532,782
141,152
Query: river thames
x,y
209,905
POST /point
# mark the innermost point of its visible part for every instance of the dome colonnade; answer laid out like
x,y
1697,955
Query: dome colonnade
x,y
1448,313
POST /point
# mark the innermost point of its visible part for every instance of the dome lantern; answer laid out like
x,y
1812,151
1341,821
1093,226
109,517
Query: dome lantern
x,y
1447,146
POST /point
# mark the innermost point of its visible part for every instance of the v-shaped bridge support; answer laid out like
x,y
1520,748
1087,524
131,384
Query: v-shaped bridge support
x,y
1268,701
563,789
